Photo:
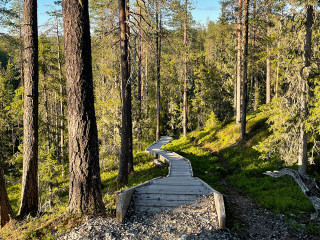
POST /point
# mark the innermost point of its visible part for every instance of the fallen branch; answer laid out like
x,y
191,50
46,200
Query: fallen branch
x,y
308,185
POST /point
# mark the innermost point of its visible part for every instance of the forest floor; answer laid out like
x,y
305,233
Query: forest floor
x,y
249,221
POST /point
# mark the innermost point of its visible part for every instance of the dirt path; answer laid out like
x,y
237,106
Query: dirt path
x,y
249,221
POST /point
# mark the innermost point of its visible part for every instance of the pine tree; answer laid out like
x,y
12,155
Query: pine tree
x,y
185,86
29,193
84,169
158,71
303,150
126,96
245,66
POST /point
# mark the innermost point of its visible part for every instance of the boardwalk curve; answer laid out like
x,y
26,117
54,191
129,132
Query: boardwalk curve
x,y
177,189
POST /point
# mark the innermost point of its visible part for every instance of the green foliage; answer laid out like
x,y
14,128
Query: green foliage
x,y
241,165
51,224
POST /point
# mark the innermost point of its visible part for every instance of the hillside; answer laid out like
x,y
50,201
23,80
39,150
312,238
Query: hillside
x,y
234,168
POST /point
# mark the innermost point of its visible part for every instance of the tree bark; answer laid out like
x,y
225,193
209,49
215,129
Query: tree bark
x,y
61,157
21,47
239,64
158,44
255,76
185,87
139,66
29,192
268,78
146,75
84,169
129,113
235,71
268,63
303,151
5,208
124,153
245,66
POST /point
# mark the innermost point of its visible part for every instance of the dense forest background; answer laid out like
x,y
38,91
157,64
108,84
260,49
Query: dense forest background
x,y
201,73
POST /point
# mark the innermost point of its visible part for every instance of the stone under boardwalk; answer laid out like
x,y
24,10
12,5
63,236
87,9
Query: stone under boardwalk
x,y
177,189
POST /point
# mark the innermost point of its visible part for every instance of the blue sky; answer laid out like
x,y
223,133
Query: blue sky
x,y
204,10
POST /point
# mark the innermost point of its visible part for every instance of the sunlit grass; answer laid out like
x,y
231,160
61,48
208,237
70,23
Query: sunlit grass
x,y
57,221
245,168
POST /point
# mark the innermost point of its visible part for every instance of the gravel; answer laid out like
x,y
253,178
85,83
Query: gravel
x,y
194,221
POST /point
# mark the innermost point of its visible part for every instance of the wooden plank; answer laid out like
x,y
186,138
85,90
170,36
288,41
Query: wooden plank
x,y
180,169
180,183
219,202
179,174
160,203
188,192
173,188
171,197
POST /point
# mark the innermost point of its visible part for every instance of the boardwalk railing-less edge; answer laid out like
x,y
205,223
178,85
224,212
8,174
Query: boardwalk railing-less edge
x,y
177,189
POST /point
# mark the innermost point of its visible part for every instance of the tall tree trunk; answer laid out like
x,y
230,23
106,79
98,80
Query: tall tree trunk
x,y
29,192
61,157
276,88
303,151
139,66
268,63
256,93
185,86
268,78
255,76
124,42
129,113
5,207
235,69
21,47
278,61
146,76
239,64
46,114
158,44
140,83
245,66
84,169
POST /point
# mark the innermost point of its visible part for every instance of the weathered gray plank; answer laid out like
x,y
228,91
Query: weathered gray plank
x,y
160,203
174,188
172,197
191,191
178,183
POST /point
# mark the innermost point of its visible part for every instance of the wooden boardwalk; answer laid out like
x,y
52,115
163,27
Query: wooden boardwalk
x,y
177,189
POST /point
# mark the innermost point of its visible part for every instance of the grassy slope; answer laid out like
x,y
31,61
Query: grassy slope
x,y
57,221
239,163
